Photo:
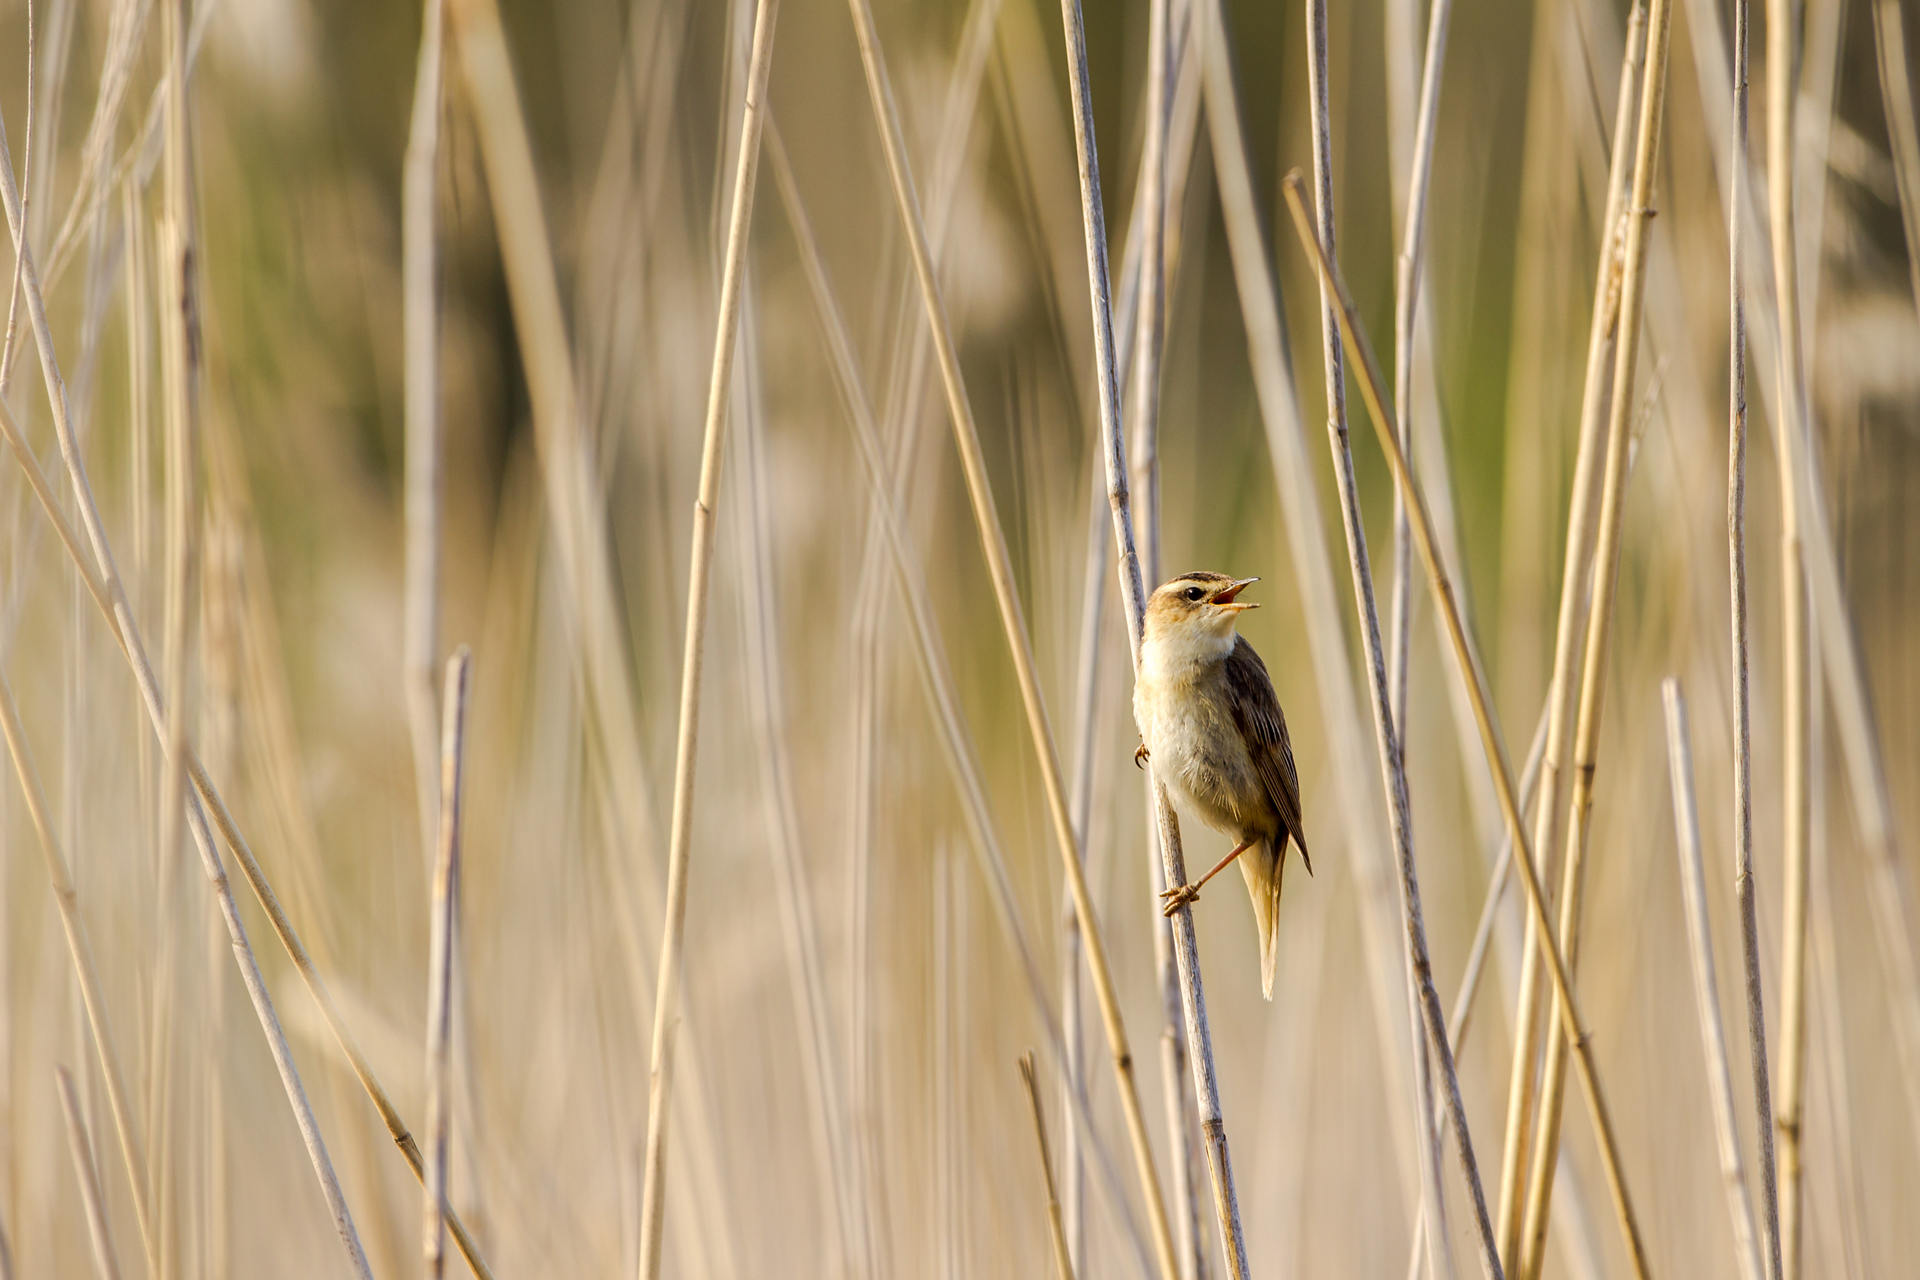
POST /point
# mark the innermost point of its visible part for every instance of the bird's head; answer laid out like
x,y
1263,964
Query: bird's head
x,y
1197,610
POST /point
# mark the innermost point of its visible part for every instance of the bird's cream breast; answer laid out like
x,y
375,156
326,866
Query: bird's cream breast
x,y
1188,727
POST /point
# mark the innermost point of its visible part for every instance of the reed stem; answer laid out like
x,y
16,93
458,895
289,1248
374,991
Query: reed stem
x,y
1373,389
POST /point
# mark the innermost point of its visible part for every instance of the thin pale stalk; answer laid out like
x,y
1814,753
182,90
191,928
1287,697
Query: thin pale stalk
x,y
1706,991
700,577
1062,1263
67,899
1392,763
418,228
443,947
1013,621
1544,1162
91,1197
120,617
1149,343
1466,657
1406,302
1287,446
1602,336
1743,881
1791,423
1133,593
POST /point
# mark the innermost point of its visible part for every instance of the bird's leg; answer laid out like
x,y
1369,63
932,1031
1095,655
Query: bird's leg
x,y
1141,755
1181,895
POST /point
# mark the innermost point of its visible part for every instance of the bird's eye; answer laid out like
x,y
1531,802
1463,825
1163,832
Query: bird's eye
x,y
1194,594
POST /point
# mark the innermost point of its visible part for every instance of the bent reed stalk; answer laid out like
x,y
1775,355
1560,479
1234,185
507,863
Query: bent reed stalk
x,y
1373,389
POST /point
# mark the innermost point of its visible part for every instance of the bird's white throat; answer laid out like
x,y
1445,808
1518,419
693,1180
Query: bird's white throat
x,y
1173,654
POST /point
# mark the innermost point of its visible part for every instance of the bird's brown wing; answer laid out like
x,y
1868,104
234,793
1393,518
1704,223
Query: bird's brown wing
x,y
1263,727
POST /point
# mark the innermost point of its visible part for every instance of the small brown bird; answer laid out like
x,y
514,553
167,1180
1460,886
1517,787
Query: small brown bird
x,y
1214,730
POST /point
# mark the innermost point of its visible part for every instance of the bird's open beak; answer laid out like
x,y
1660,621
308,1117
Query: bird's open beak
x,y
1225,597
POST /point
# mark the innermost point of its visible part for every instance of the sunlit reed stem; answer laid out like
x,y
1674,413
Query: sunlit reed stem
x,y
1466,658
1606,568
1424,1000
1570,630
700,577
1791,423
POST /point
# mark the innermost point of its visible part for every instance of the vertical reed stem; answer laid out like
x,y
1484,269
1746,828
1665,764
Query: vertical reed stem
x,y
90,1192
1743,881
1133,594
1062,1263
1602,335
442,951
673,936
1791,435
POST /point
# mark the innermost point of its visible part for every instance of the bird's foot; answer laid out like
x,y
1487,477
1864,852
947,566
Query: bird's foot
x,y
1184,895
1141,755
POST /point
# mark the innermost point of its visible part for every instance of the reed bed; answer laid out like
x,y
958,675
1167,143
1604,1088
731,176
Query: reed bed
x,y
341,337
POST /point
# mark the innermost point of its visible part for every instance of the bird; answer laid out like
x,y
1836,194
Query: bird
x,y
1212,727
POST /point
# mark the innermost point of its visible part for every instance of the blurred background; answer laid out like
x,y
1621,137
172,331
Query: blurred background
x,y
855,991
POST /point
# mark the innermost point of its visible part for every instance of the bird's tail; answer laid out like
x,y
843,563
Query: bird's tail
x,y
1262,867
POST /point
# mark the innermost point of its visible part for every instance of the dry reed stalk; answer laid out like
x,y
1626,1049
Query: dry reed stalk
x,y
1844,674
104,585
1706,993
1743,881
1570,629
109,596
1638,214
443,947
1791,423
1373,389
1062,1263
1013,622
1424,1000
120,58
1273,381
1133,594
67,899
673,934
936,679
1903,127
1408,281
420,642
1149,343
91,1196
